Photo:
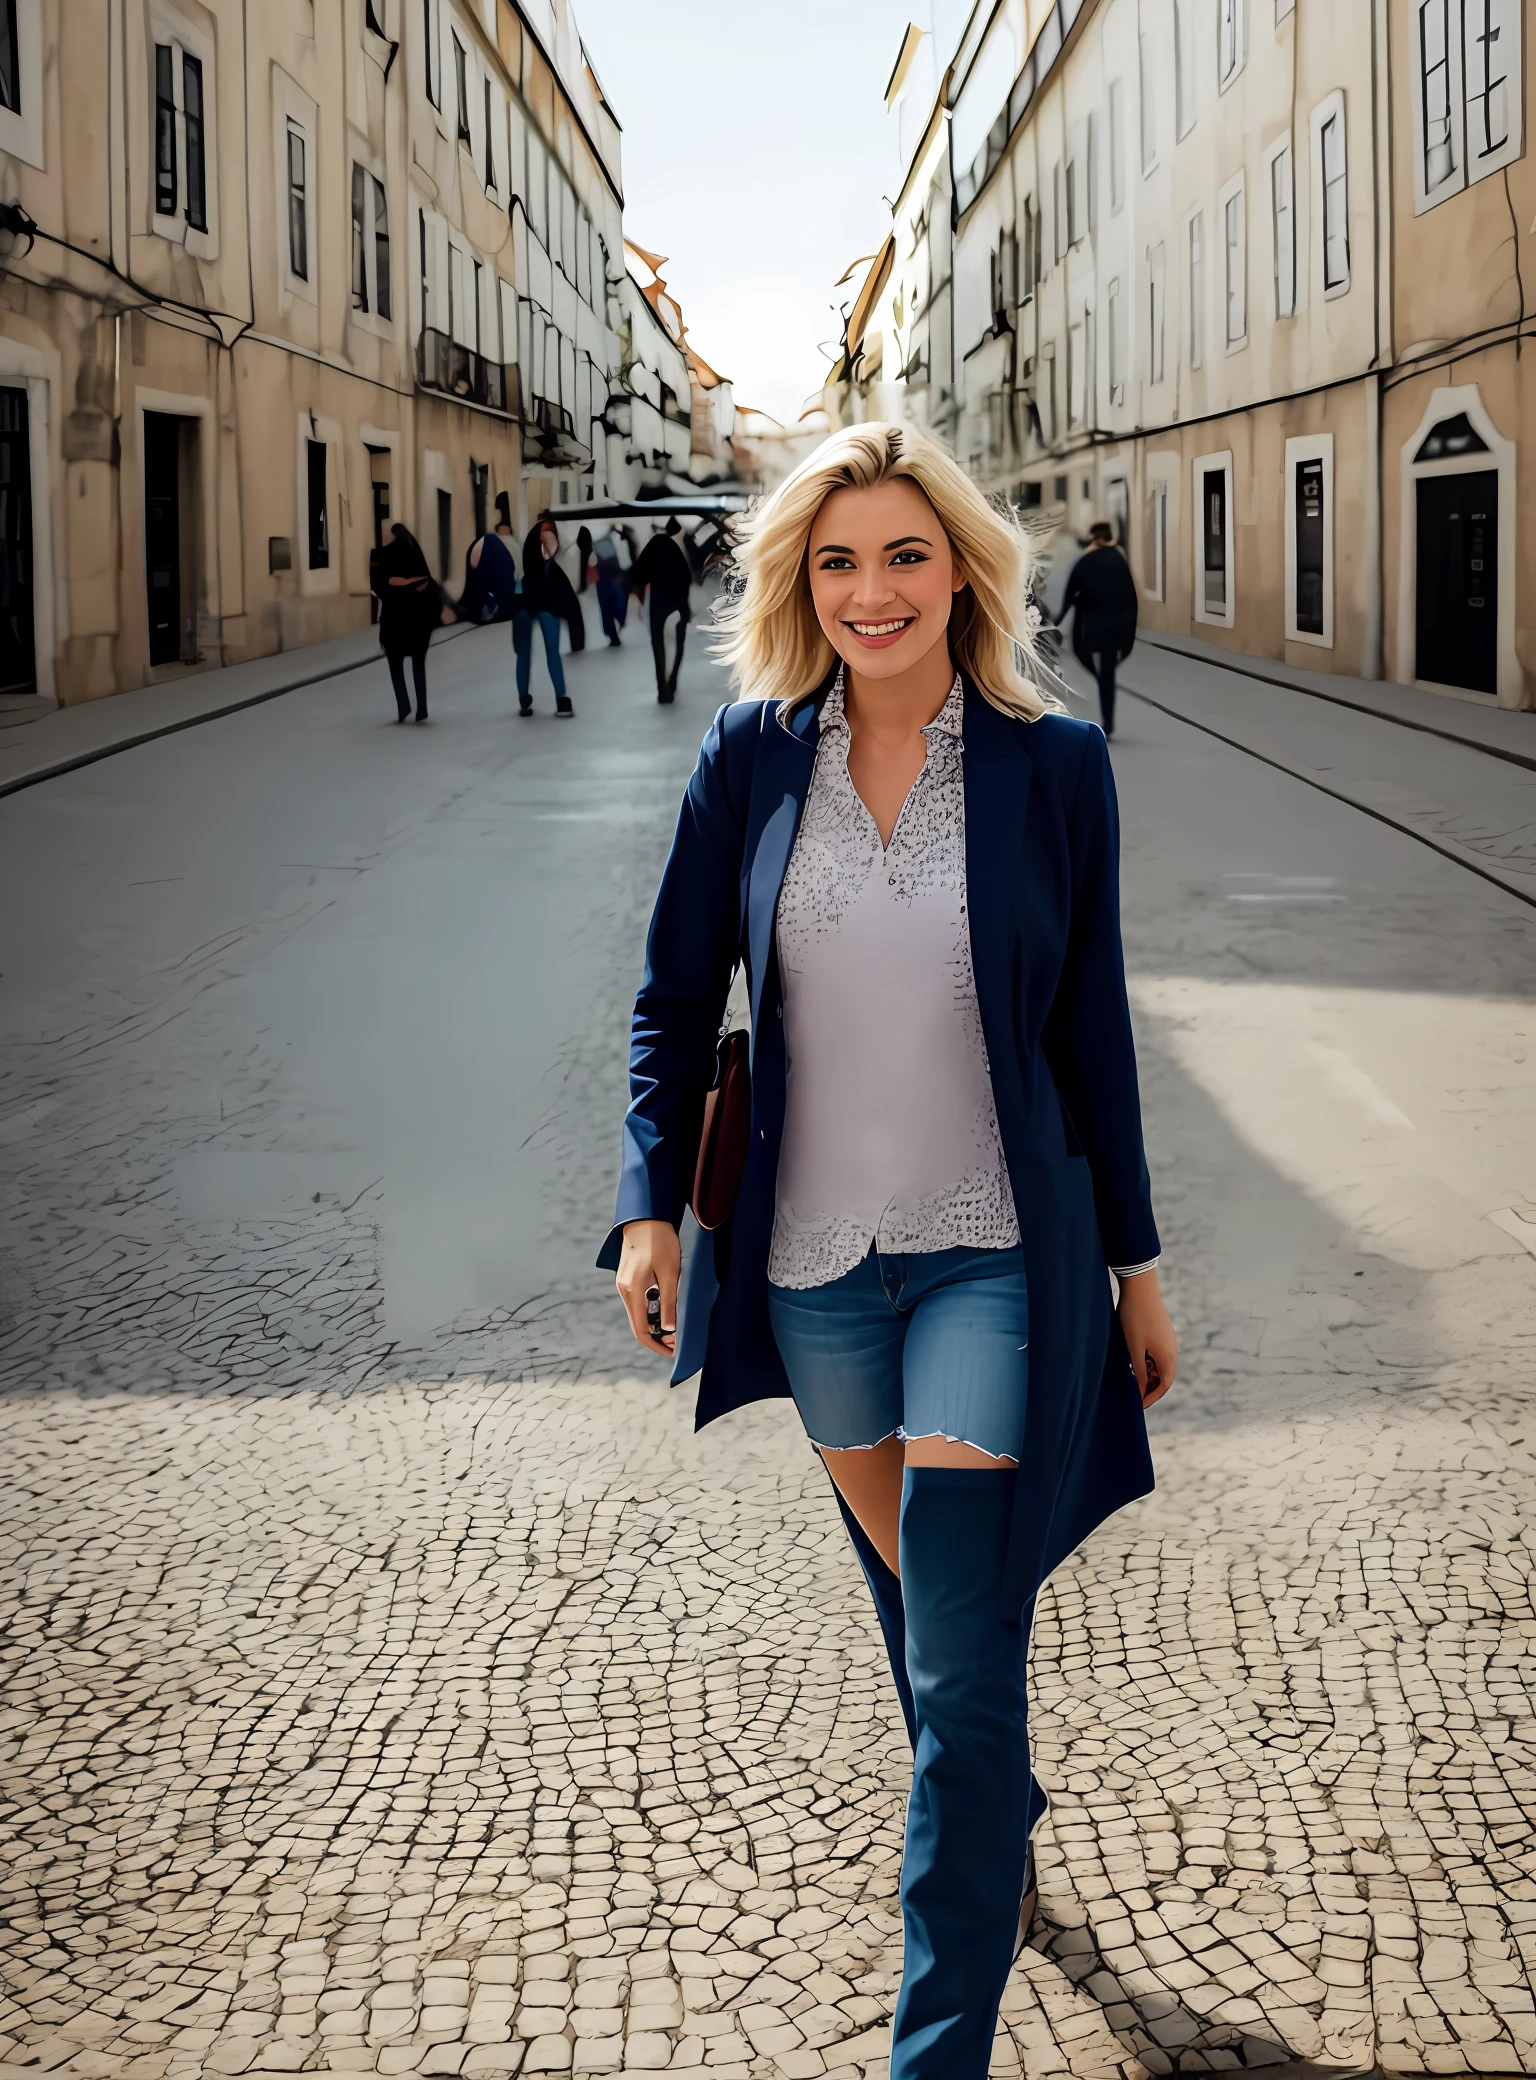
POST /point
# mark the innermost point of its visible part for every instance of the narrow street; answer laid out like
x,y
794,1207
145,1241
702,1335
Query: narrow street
x,y
393,1682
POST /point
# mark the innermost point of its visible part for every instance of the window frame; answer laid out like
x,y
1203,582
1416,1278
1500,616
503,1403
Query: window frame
x,y
1157,314
1304,448
164,27
1185,78
297,192
1146,103
432,53
1234,197
1116,125
21,126
294,112
317,529
1219,463
465,132
1114,304
367,187
1196,291
1330,115
1231,41
1283,152
1426,192
1479,163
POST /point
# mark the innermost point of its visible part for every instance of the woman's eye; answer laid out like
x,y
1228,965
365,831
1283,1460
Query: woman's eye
x,y
837,563
909,556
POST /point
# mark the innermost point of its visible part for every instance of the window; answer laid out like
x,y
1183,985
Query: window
x,y
318,506
1438,141
490,153
1116,146
1092,156
1335,186
165,130
1231,40
298,205
1309,540
1159,586
461,88
1148,112
1079,336
421,225
1492,65
197,151
1074,206
382,300
1184,66
429,52
183,67
1052,408
1058,213
373,16
444,532
1116,343
479,310
371,288
359,237
1156,299
1197,289
10,57
1282,191
1213,539
1234,217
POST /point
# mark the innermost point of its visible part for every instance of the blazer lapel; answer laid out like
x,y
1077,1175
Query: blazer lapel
x,y
781,780
997,776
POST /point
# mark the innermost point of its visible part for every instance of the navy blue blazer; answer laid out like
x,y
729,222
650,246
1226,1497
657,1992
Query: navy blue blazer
x,y
1042,882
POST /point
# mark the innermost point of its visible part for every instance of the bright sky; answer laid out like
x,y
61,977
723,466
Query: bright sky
x,y
756,152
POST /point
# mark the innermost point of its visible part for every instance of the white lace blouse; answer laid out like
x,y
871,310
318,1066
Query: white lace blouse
x,y
890,1133
890,1130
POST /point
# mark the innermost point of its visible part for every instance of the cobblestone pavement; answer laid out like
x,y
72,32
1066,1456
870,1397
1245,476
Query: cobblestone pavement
x,y
394,1683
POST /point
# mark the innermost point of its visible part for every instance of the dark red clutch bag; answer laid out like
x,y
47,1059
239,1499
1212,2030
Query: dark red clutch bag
x,y
726,1132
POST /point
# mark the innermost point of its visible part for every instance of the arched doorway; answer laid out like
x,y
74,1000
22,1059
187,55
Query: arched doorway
x,y
1456,616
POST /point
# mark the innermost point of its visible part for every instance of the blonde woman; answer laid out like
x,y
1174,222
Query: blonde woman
x,y
915,859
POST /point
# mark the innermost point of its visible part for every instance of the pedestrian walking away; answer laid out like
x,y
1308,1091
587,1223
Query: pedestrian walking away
x,y
545,601
612,592
914,854
490,571
1102,594
410,607
663,570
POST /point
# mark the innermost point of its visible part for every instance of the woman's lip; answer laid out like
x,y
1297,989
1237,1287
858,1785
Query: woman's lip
x,y
879,642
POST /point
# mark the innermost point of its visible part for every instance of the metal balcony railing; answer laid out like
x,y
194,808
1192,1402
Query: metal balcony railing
x,y
458,371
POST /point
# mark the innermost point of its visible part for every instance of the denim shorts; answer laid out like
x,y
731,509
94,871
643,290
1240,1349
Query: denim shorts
x,y
928,1345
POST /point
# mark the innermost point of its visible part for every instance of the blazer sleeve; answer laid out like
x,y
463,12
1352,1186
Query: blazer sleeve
x,y
1088,1040
690,956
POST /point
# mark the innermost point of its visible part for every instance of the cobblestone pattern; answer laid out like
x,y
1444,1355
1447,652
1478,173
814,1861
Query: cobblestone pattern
x,y
460,1713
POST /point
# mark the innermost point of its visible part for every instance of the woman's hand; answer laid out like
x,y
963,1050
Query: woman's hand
x,y
1150,1336
651,1256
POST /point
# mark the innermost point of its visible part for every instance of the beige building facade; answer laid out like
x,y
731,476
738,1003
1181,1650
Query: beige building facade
x,y
1230,273
271,279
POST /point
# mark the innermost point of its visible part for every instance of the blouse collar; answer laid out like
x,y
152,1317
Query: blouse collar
x,y
950,718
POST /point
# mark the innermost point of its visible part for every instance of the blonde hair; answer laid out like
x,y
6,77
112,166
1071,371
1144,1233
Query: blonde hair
x,y
768,631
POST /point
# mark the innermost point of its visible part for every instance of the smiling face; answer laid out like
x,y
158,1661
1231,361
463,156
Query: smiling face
x,y
883,577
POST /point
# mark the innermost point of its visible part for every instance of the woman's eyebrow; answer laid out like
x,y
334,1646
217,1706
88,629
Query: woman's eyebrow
x,y
905,540
831,549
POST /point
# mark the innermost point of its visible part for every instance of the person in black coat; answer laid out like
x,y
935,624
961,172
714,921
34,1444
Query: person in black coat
x,y
410,607
544,599
583,556
662,568
1103,594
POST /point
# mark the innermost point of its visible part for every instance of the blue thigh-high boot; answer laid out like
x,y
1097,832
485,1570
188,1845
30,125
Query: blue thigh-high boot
x,y
973,1798
885,1588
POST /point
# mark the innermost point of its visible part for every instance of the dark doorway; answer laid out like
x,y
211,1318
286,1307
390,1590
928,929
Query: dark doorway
x,y
162,534
480,495
18,656
1310,522
1458,581
1214,528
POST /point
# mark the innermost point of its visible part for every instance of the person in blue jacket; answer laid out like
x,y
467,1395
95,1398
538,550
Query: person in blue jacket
x,y
914,856
490,571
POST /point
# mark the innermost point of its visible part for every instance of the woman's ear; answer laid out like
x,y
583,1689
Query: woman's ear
x,y
960,577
